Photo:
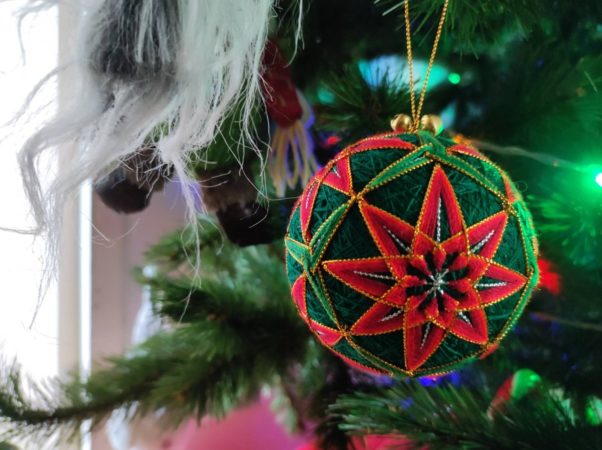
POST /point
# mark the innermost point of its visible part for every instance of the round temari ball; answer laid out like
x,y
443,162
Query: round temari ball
x,y
410,255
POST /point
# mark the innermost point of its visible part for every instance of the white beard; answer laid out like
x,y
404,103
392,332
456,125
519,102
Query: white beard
x,y
195,76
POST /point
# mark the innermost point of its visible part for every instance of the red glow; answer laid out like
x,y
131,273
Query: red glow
x,y
333,140
550,280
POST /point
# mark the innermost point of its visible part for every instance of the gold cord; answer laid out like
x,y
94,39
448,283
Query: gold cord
x,y
416,111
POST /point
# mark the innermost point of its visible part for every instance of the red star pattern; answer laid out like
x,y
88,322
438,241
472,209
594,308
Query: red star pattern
x,y
432,279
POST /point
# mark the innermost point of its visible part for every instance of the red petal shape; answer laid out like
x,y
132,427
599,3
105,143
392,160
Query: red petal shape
x,y
380,142
440,193
398,266
307,205
469,299
415,317
439,256
506,283
298,292
379,319
462,285
471,326
456,244
412,281
420,343
327,335
422,244
432,309
418,263
392,235
460,262
484,237
371,277
449,303
396,296
339,176
509,191
476,267
466,150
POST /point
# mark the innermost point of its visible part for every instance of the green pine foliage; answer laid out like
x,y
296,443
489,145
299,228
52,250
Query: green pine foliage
x,y
453,418
230,334
356,106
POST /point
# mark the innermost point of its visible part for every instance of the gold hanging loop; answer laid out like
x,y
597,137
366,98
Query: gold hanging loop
x,y
417,110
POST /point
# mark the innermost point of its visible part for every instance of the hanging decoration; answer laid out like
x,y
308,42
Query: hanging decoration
x,y
138,65
128,187
292,160
409,254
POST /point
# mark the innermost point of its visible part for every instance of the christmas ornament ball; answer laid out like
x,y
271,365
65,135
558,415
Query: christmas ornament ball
x,y
409,254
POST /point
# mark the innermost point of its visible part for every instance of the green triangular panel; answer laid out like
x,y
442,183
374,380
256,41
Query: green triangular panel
x,y
529,235
397,169
452,349
463,166
324,234
316,309
352,239
404,197
327,201
344,348
297,250
498,313
510,252
350,305
365,165
293,269
486,169
294,226
476,203
411,138
388,347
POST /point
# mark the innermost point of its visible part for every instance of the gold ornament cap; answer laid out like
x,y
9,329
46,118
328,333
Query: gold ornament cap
x,y
401,123
431,123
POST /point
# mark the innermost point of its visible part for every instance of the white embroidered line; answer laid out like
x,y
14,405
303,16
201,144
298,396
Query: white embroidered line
x,y
336,172
477,247
490,285
439,220
464,317
396,239
391,315
374,275
425,336
437,282
311,188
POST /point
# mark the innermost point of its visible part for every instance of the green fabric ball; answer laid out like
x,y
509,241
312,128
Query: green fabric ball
x,y
411,255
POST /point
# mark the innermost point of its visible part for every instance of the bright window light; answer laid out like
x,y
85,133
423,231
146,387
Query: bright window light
x,y
34,345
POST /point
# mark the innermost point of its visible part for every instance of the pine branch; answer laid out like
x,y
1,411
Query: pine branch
x,y
208,367
360,106
478,25
238,331
447,417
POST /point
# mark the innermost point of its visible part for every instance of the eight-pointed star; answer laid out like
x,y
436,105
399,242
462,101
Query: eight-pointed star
x,y
431,279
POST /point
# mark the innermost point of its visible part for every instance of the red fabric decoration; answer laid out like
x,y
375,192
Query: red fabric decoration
x,y
550,280
282,101
292,161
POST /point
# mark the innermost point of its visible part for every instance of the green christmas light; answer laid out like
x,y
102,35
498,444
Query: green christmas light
x,y
454,78
599,179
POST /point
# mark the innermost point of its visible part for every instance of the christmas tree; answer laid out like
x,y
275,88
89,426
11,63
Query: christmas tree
x,y
518,80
